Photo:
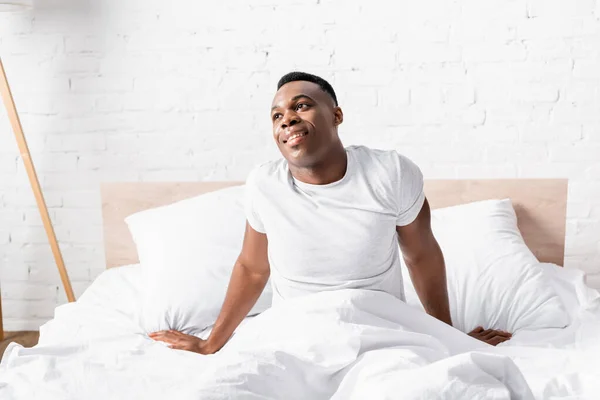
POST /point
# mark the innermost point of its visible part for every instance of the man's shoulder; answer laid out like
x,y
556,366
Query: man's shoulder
x,y
386,158
386,165
266,172
370,152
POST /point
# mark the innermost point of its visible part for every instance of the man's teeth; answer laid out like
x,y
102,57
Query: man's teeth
x,y
295,136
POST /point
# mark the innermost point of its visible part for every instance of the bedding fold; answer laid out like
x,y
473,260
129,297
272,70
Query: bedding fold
x,y
341,344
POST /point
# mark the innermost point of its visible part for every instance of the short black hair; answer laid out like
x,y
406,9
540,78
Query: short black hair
x,y
304,76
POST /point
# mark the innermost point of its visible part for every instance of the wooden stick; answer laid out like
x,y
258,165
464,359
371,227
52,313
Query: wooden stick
x,y
1,324
33,180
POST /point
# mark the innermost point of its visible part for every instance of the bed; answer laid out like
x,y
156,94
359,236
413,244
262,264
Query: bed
x,y
95,348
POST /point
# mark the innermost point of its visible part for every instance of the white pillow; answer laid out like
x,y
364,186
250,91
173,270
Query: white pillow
x,y
187,251
494,280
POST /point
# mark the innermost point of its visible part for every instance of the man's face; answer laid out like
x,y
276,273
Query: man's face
x,y
305,121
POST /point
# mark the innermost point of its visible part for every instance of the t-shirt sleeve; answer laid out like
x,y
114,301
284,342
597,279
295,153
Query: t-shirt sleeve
x,y
252,215
410,194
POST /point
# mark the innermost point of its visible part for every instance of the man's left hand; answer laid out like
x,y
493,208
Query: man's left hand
x,y
490,336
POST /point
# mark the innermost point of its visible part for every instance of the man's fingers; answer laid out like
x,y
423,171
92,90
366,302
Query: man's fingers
x,y
489,334
175,339
166,333
502,339
156,335
496,340
499,333
159,333
165,336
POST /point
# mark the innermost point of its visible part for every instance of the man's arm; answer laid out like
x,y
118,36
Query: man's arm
x,y
425,263
427,269
248,279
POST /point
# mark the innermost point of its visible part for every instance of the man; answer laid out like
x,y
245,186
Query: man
x,y
327,217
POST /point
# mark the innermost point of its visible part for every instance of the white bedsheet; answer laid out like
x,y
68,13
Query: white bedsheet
x,y
349,344
563,363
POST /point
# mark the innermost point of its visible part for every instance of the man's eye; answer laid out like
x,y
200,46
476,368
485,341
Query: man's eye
x,y
276,116
301,105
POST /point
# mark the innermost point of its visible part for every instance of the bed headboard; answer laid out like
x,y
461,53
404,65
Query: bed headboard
x,y
540,205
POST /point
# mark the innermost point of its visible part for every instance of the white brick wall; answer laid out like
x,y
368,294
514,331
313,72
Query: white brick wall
x,y
152,90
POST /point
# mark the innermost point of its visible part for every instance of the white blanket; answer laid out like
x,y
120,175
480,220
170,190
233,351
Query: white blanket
x,y
563,363
95,349
342,345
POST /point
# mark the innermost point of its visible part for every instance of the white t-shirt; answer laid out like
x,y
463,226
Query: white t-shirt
x,y
340,235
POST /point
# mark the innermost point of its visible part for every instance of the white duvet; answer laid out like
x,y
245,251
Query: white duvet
x,y
349,344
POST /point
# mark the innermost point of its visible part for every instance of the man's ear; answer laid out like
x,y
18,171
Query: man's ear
x,y
338,116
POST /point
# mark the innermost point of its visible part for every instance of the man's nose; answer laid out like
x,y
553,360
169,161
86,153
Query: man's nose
x,y
290,119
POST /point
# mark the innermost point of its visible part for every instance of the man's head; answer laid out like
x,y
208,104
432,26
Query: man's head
x,y
305,117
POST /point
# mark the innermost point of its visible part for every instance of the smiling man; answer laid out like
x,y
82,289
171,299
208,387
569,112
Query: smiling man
x,y
327,217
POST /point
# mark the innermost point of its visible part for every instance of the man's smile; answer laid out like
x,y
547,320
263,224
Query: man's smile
x,y
296,138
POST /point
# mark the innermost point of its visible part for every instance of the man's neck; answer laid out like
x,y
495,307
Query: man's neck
x,y
332,170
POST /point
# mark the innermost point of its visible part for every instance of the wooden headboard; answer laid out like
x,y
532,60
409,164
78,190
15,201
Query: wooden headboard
x,y
540,205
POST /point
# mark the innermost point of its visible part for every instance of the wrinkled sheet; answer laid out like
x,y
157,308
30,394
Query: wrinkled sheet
x,y
562,363
342,345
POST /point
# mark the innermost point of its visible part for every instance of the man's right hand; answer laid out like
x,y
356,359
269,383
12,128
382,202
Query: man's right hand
x,y
490,336
181,341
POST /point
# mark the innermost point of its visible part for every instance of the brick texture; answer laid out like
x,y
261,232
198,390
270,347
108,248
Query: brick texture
x,y
148,90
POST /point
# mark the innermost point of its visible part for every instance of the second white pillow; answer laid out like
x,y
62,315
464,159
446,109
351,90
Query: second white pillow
x,y
494,280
